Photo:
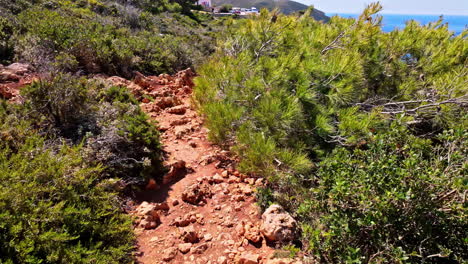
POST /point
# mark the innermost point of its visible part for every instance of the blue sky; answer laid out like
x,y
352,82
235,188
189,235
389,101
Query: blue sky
x,y
435,7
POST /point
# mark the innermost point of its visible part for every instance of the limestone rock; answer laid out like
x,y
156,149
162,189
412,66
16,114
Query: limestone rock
x,y
189,235
216,178
196,193
177,169
252,233
147,215
278,225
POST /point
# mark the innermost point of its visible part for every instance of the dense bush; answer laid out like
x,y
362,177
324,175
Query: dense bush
x,y
351,126
400,200
106,120
53,207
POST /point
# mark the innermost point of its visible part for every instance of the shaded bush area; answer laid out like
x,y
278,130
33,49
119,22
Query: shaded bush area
x,y
66,154
112,37
359,132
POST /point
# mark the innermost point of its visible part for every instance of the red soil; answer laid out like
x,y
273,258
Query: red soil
x,y
232,204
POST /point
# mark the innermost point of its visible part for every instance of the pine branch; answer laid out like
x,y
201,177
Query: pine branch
x,y
458,101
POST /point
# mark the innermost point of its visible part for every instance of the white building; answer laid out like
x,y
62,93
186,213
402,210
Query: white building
x,y
204,3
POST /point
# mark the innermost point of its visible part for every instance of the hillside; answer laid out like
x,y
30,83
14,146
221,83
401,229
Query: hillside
x,y
150,131
285,6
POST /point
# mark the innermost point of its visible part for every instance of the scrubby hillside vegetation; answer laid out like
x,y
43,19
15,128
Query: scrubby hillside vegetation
x,y
111,37
360,133
73,143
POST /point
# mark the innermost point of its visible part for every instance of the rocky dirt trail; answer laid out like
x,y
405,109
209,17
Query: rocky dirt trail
x,y
203,211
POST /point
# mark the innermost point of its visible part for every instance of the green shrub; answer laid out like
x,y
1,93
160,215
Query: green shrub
x,y
398,201
345,80
52,207
114,131
358,131
62,101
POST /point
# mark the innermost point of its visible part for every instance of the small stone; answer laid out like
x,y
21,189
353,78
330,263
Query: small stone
x,y
252,233
217,178
185,247
250,181
208,237
238,198
175,202
225,174
181,222
245,189
233,179
199,249
282,261
196,193
152,185
259,182
178,110
189,235
240,229
177,170
248,258
169,254
193,219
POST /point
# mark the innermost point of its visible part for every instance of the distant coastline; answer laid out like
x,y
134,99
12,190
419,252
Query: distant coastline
x,y
457,23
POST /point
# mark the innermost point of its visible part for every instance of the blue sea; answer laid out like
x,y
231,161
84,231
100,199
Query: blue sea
x,y
394,21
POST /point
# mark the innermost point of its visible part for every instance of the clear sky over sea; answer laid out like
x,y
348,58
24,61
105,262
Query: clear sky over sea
x,y
433,7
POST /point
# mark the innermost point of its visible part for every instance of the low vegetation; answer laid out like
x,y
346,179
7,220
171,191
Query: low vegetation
x,y
111,37
75,144
360,133
65,156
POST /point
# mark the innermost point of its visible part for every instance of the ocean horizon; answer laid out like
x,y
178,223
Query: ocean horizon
x,y
456,23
